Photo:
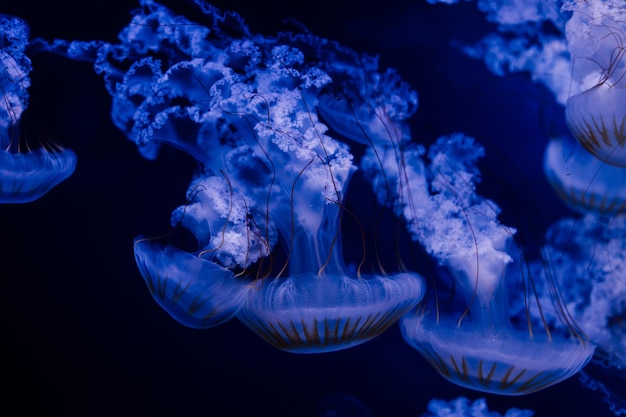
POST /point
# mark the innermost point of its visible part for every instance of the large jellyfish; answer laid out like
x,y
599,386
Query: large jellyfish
x,y
596,35
472,341
589,261
267,203
25,174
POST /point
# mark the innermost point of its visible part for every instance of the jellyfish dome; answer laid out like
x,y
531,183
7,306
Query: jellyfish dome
x,y
267,202
582,181
596,116
25,174
470,339
196,292
311,313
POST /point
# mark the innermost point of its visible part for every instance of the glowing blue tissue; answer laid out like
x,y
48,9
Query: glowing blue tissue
x,y
255,112
473,342
462,407
25,174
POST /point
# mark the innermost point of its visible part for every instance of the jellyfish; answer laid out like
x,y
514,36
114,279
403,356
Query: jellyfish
x,y
586,260
470,338
267,203
582,181
196,292
576,49
25,174
599,302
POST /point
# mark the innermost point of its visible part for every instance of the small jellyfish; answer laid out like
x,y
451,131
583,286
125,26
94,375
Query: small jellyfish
x,y
583,182
468,336
196,292
361,114
198,289
462,407
596,116
25,177
25,174
307,313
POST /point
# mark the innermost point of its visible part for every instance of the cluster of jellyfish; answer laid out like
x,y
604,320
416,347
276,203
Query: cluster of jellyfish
x,y
280,125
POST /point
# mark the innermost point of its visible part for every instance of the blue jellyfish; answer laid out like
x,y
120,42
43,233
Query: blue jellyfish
x,y
582,181
267,204
194,291
588,261
469,336
596,116
25,174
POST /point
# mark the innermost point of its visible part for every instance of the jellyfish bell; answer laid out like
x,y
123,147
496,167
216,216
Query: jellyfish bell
x,y
25,174
589,264
362,116
582,181
311,313
597,118
484,352
596,115
25,177
195,292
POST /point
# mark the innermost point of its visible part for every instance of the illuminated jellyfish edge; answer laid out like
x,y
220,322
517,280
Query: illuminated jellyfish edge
x,y
514,365
308,313
565,159
597,118
25,177
197,293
